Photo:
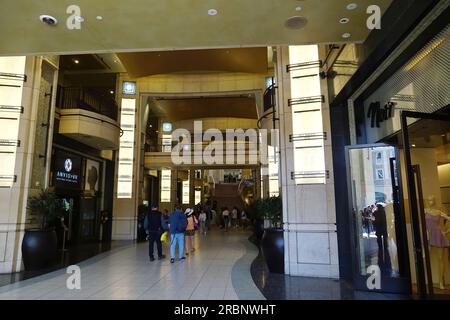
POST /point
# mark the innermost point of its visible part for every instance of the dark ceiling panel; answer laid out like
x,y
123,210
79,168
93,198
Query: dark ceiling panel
x,y
249,60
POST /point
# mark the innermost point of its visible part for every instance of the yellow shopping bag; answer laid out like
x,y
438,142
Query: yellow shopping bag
x,y
164,237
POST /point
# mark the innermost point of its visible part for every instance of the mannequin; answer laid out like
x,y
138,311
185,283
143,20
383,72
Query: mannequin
x,y
437,238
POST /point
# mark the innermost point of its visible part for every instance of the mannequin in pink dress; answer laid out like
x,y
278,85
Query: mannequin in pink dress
x,y
437,237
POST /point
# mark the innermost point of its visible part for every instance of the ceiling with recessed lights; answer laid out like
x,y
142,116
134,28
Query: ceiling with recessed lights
x,y
147,25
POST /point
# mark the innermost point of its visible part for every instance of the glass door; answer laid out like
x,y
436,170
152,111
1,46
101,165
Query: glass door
x,y
426,144
378,235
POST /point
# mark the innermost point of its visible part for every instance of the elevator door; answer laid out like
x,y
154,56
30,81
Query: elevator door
x,y
377,224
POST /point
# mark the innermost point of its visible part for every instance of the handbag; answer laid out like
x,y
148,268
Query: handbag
x,y
195,223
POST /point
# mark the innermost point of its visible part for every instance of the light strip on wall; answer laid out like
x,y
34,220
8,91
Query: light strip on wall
x,y
307,118
11,90
126,149
166,189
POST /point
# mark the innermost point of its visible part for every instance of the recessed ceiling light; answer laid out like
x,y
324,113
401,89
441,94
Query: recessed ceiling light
x,y
352,6
99,17
346,35
344,20
76,61
298,8
413,145
112,92
212,12
48,19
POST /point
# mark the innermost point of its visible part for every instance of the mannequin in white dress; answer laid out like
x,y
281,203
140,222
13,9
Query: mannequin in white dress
x,y
436,236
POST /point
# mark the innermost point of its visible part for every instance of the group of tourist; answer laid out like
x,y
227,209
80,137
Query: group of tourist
x,y
181,226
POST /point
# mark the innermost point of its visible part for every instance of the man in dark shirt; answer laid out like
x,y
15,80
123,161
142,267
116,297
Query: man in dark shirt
x,y
380,224
154,226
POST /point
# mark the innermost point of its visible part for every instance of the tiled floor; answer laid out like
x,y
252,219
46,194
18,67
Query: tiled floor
x,y
73,255
219,269
284,287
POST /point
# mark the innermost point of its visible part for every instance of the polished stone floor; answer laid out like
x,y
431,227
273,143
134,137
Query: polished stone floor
x,y
218,269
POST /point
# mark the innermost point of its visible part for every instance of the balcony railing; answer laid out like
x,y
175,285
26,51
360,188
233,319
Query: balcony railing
x,y
87,99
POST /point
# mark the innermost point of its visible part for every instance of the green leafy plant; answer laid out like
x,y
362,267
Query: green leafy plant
x,y
273,210
267,208
46,207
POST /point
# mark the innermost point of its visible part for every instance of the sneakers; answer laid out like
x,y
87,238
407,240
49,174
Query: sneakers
x,y
172,260
182,258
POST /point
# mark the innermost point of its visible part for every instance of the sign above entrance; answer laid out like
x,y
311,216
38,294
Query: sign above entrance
x,y
67,171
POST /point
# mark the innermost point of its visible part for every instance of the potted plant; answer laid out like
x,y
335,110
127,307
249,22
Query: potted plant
x,y
256,214
272,242
39,244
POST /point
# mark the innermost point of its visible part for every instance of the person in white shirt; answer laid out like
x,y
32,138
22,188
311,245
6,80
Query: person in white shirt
x,y
202,219
226,217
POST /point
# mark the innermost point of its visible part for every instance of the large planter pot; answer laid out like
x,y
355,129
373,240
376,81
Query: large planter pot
x,y
259,228
39,249
272,246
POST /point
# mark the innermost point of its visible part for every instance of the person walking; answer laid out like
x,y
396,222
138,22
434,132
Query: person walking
x,y
190,230
177,226
202,218
226,218
234,217
154,227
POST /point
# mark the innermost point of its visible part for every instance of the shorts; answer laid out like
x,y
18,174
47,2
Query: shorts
x,y
189,233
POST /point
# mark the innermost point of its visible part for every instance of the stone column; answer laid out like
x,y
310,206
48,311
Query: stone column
x,y
19,157
308,208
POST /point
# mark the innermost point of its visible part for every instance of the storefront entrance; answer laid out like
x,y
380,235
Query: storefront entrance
x,y
399,195
378,225
426,144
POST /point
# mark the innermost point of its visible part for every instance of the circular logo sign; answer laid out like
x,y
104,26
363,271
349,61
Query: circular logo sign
x,y
68,165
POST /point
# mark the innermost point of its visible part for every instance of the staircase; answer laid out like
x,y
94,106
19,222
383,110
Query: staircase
x,y
226,195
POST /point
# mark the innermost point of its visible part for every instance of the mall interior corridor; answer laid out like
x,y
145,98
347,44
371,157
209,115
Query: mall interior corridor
x,y
218,269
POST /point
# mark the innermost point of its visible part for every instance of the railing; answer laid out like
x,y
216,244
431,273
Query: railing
x,y
87,99
269,97
192,147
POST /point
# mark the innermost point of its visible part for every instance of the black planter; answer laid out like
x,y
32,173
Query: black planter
x,y
39,249
259,228
272,246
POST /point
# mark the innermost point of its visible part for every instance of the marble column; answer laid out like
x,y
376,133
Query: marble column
x,y
308,207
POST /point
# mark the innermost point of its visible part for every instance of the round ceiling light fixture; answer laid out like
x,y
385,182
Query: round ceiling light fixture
x,y
76,61
45,18
344,21
212,12
346,35
352,6
99,18
298,8
296,22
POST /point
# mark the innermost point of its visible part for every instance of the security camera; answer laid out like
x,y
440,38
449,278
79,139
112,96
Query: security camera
x,y
48,19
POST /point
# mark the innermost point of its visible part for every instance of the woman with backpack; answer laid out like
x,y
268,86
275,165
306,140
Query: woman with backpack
x,y
192,225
